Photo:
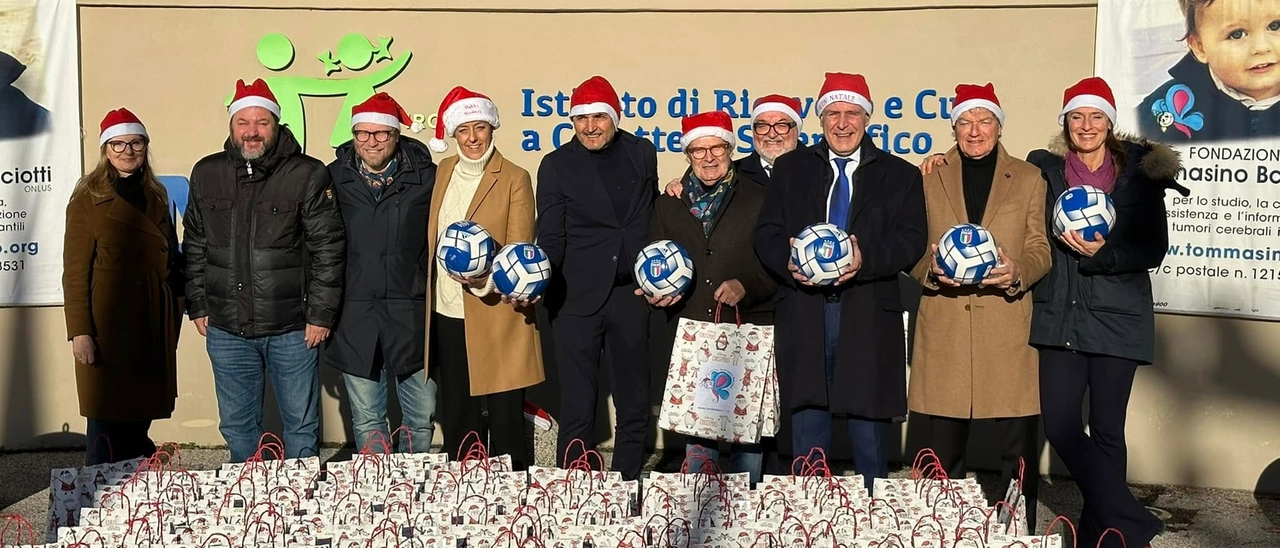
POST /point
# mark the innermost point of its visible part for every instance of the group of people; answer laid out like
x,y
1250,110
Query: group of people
x,y
286,264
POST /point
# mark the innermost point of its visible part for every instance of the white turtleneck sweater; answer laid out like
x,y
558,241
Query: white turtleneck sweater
x,y
463,184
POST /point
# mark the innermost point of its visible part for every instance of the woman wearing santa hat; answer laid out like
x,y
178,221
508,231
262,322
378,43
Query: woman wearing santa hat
x,y
123,283
485,349
714,218
1093,321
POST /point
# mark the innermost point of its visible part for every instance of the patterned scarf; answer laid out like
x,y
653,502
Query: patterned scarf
x,y
378,182
705,203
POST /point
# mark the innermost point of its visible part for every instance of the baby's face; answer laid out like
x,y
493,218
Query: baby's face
x,y
1240,41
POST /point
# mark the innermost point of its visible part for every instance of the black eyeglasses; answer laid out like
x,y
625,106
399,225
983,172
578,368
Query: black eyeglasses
x,y
782,128
701,152
138,145
379,136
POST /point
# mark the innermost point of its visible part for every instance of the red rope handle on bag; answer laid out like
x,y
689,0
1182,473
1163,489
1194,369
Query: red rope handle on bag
x,y
724,500
476,447
982,535
10,519
871,509
577,516
81,542
918,463
942,537
773,538
736,313
1118,534
1072,526
995,512
885,541
377,438
688,532
408,434
564,459
276,441
825,525
210,538
484,506
380,529
782,528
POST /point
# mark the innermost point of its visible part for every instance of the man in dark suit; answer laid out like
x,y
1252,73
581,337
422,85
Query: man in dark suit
x,y
841,348
595,196
775,130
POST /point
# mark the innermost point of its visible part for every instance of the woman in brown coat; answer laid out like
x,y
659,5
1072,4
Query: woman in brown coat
x,y
485,349
972,360
122,281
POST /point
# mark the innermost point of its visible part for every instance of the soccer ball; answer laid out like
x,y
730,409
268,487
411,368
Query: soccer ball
x,y
465,249
664,269
967,253
1086,209
821,251
521,271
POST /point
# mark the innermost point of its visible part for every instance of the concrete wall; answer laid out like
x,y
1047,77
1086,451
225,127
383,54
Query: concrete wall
x,y
1207,413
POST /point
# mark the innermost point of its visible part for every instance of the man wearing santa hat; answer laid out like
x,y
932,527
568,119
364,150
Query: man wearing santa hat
x,y
971,360
841,348
595,195
775,130
383,181
265,251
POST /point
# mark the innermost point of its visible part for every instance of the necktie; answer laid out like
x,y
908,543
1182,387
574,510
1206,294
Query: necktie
x,y
838,213
768,171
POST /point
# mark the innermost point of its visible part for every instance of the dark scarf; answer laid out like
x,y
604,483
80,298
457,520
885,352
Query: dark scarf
x,y
1078,174
378,182
704,203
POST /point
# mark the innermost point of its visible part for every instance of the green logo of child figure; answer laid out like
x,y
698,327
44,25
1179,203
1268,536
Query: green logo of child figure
x,y
355,53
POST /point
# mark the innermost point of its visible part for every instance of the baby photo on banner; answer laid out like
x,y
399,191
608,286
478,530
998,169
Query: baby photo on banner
x,y
1204,77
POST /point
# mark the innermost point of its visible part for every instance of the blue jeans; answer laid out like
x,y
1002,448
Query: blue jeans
x,y
238,376
747,458
417,394
811,427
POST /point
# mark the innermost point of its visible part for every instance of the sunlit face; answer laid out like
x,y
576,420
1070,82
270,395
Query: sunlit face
x,y
1088,128
1240,41
126,153
253,132
977,131
709,157
843,125
473,139
594,131
374,153
775,134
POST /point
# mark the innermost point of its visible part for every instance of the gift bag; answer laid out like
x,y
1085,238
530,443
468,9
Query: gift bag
x,y
716,381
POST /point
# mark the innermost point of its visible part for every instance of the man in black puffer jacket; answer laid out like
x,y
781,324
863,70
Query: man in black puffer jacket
x,y
266,248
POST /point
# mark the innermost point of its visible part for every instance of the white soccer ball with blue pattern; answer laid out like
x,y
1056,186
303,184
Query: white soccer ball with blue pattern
x,y
822,252
663,269
521,271
465,249
967,253
1086,209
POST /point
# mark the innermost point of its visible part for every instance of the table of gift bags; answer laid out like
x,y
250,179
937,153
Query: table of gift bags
x,y
425,500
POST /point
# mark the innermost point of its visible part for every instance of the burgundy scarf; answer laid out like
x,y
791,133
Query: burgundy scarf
x,y
1078,174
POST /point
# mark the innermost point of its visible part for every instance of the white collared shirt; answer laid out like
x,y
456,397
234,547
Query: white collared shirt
x,y
1250,102
854,159
768,167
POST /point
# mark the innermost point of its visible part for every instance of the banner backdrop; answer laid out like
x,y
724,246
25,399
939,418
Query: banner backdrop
x,y
1211,92
39,145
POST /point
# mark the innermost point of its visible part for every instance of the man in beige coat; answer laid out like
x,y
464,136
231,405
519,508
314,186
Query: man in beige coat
x,y
972,360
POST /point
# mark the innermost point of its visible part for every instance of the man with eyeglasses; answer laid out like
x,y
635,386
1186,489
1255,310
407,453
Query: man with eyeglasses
x,y
265,250
775,130
595,196
841,348
384,182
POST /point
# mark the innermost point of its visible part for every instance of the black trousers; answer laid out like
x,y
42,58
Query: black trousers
x,y
115,441
619,333
498,419
1015,436
1098,459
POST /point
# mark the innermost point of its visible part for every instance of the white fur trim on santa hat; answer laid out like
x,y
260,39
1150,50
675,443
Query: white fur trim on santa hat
x,y
380,118
595,108
473,109
709,131
253,101
121,129
776,107
971,104
845,96
1088,101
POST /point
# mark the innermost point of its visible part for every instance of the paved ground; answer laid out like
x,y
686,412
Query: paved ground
x,y
1194,517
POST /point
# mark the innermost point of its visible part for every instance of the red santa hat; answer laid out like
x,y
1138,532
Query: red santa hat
x,y
120,122
381,109
777,103
848,88
595,96
460,106
257,94
1090,92
971,96
707,124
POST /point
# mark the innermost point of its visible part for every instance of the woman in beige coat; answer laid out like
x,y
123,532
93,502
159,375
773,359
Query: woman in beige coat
x,y
972,360
485,350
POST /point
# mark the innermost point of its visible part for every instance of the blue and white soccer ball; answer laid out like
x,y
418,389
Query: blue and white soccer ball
x,y
521,271
663,269
822,252
967,253
1086,209
465,250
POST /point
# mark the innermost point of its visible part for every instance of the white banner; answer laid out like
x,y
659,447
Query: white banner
x,y
40,157
1210,91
